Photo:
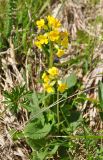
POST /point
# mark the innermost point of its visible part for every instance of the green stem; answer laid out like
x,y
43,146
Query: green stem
x,y
51,56
58,117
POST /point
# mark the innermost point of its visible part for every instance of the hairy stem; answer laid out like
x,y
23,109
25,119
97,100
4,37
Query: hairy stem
x,y
51,56
58,117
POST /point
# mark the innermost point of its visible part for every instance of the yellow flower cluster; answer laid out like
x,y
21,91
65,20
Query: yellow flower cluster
x,y
51,27
41,39
50,79
60,53
40,24
54,72
51,34
53,22
62,86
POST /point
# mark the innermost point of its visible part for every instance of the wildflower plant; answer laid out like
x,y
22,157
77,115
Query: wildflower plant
x,y
51,40
51,121
48,110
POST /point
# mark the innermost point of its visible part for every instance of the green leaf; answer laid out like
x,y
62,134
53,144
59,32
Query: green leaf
x,y
44,151
36,144
40,155
16,135
35,99
35,130
35,108
71,80
100,93
17,97
53,151
74,116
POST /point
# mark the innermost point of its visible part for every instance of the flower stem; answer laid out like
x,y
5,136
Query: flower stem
x,y
51,56
58,117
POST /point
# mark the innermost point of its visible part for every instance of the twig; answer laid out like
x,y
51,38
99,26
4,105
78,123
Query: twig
x,y
7,51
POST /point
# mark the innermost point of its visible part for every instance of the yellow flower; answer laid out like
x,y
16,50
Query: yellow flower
x,y
61,87
64,42
48,88
53,71
40,23
38,44
43,39
53,22
53,35
44,75
60,53
64,38
45,78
